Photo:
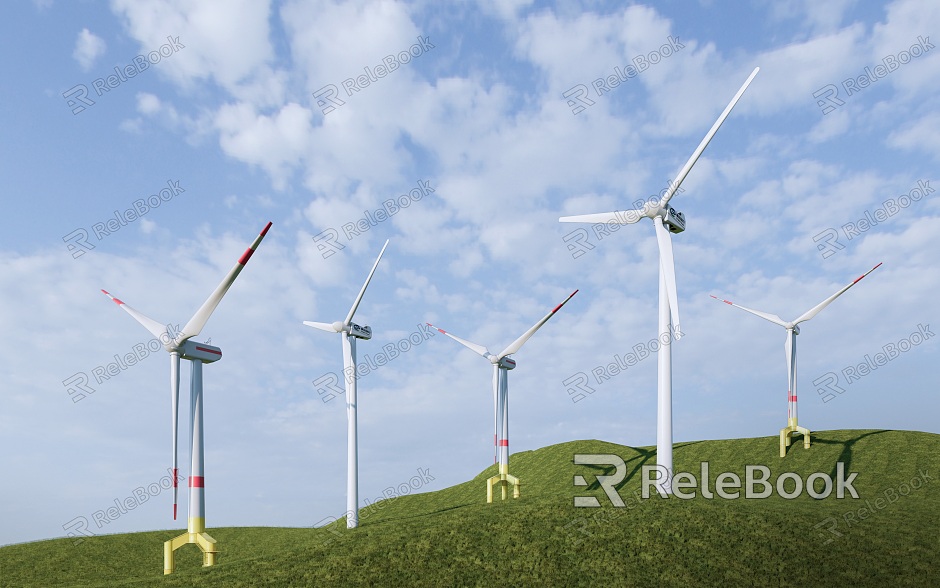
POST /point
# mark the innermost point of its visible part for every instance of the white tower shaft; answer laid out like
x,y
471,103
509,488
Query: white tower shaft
x,y
791,375
504,414
174,410
352,441
664,396
495,413
197,489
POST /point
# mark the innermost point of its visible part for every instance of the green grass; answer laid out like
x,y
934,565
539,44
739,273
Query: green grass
x,y
453,538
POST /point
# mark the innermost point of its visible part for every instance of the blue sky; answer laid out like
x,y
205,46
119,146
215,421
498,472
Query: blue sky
x,y
479,116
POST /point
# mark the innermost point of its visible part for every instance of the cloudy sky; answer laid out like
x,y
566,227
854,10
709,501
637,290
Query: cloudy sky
x,y
148,141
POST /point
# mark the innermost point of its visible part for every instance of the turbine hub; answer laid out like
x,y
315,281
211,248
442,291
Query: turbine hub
x,y
507,363
203,352
674,220
360,332
338,326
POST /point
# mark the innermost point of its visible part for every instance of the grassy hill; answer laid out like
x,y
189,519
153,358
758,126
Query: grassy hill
x,y
452,538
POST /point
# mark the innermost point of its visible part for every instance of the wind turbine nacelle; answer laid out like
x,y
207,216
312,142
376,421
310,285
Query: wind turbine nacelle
x,y
507,363
360,332
674,220
200,352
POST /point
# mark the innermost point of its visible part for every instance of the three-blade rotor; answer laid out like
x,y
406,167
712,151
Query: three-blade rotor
x,y
660,212
173,342
806,315
340,327
514,346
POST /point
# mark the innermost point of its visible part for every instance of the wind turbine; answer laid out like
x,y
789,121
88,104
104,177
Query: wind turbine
x,y
666,220
502,363
180,346
351,331
790,346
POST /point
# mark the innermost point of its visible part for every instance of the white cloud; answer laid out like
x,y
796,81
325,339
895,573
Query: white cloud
x,y
88,48
922,134
226,41
817,16
504,9
275,142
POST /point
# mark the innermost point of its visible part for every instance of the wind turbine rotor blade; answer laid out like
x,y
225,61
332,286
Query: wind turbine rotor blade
x,y
518,343
620,217
668,266
708,137
328,327
156,329
195,324
816,309
174,407
352,309
764,315
478,349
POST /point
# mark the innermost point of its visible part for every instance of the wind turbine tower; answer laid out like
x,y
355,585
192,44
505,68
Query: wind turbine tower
x,y
181,346
666,220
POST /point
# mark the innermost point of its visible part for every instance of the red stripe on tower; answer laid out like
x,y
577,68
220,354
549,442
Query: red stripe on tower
x,y
197,482
792,398
504,442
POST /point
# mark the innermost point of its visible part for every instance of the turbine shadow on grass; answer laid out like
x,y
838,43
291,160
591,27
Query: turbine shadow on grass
x,y
846,456
644,455
388,519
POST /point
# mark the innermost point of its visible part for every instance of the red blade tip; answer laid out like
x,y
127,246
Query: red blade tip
x,y
115,300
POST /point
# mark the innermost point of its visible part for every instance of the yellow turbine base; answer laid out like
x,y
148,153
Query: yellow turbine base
x,y
195,534
504,480
787,433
